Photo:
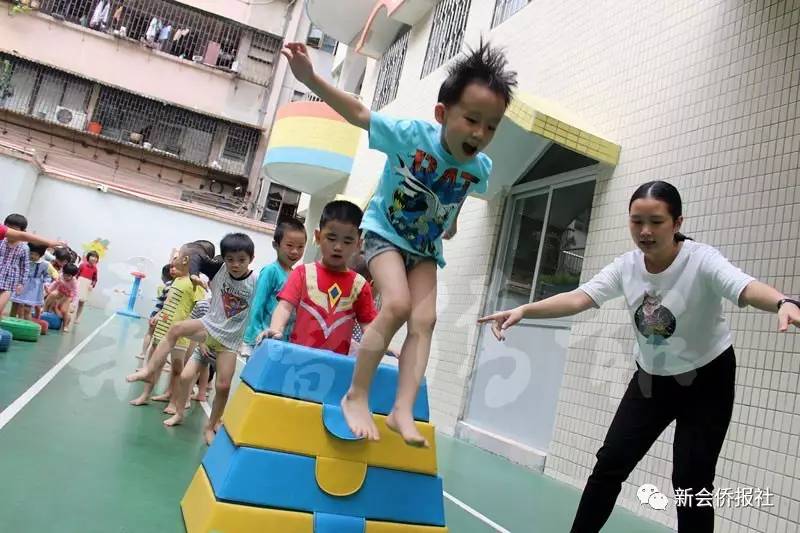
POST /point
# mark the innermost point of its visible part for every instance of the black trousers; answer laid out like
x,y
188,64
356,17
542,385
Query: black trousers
x,y
701,403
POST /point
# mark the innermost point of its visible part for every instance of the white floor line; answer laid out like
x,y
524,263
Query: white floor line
x,y
12,410
476,514
483,518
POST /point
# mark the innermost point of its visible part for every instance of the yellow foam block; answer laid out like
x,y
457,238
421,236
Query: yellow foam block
x,y
293,426
339,478
202,513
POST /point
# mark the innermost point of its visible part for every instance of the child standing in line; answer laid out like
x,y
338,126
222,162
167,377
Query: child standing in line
x,y
32,295
167,275
180,301
14,260
87,281
220,332
430,170
327,296
290,243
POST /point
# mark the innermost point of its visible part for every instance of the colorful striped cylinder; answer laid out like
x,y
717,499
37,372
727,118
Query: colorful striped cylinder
x,y
311,147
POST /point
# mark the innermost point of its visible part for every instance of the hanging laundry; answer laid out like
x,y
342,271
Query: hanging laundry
x,y
116,20
153,29
165,32
100,15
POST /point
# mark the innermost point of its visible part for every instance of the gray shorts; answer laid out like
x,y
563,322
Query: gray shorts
x,y
375,245
203,359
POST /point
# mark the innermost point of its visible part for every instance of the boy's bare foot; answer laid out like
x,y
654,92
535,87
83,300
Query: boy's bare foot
x,y
358,417
404,425
174,420
141,400
198,397
169,410
139,375
66,329
162,398
209,434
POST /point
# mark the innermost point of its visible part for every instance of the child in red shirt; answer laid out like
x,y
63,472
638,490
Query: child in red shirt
x,y
327,296
87,281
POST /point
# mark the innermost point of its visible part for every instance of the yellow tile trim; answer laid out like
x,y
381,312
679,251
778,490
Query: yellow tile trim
x,y
526,114
202,513
293,426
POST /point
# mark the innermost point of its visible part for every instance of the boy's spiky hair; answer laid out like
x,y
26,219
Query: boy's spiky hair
x,y
486,65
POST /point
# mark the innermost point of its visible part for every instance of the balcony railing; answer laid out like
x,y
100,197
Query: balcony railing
x,y
178,30
47,94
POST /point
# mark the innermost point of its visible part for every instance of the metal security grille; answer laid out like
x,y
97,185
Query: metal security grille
x,y
177,30
503,9
38,91
30,89
389,72
447,33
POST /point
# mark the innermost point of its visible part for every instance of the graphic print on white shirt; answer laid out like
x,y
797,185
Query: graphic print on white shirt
x,y
653,320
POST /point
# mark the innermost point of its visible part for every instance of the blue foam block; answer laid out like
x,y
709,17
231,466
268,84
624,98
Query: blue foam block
x,y
321,376
286,481
335,423
53,320
331,523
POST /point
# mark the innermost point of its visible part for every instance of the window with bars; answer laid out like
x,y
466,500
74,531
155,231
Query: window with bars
x,y
281,202
390,70
175,29
318,39
48,94
447,33
503,9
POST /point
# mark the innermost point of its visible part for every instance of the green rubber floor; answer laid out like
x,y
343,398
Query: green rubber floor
x,y
77,458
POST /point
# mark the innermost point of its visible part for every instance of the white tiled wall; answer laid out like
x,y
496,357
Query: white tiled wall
x,y
703,94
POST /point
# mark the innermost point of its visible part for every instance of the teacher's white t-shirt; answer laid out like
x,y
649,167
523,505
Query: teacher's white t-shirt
x,y
677,313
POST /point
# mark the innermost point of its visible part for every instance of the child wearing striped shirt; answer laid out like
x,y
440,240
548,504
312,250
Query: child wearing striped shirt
x,y
220,332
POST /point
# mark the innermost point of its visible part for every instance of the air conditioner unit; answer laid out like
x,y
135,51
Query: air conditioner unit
x,y
70,118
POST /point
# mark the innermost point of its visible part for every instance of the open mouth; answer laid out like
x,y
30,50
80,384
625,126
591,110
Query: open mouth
x,y
469,149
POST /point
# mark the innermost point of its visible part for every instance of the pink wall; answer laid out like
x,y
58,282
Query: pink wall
x,y
100,160
121,62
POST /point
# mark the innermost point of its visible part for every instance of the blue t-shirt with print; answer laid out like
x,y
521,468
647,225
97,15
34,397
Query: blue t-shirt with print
x,y
421,187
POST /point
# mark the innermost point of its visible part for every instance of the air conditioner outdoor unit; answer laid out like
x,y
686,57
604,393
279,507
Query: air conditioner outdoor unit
x,y
70,118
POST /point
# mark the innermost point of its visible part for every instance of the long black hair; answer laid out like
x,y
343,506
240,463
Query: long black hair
x,y
667,193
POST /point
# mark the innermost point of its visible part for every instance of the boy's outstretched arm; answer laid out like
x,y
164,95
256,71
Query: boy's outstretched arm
x,y
280,317
32,238
343,103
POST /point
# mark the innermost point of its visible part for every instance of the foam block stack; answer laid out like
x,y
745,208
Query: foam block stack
x,y
286,461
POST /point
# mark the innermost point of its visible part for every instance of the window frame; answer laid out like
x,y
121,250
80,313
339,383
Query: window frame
x,y
495,22
543,186
382,78
427,66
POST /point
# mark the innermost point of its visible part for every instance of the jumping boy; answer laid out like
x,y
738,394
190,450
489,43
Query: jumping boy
x,y
430,170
